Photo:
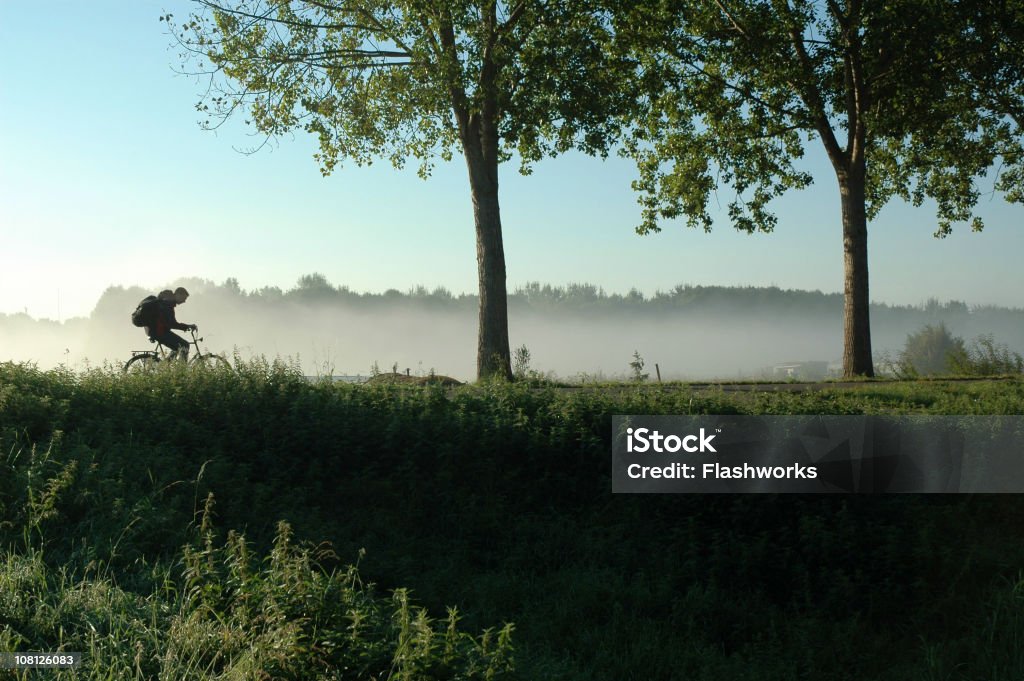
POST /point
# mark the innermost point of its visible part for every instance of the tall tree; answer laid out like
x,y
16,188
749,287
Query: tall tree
x,y
415,79
893,91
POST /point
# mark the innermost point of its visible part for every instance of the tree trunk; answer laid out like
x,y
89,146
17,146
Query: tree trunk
x,y
492,354
478,132
856,302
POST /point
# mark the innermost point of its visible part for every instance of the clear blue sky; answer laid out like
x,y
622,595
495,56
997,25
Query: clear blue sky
x,y
106,179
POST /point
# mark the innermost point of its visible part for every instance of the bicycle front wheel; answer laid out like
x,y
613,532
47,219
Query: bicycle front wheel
x,y
146,361
211,362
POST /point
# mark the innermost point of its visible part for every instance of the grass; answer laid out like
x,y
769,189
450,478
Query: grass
x,y
491,499
222,614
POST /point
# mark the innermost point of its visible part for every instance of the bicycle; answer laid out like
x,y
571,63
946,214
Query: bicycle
x,y
148,359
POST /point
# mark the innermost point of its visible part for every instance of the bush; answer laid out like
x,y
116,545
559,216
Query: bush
x,y
521,362
927,352
986,358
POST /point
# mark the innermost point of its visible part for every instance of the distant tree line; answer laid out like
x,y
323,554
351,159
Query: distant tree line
x,y
753,302
572,298
691,323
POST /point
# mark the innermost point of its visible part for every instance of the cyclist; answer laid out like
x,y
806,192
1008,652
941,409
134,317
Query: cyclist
x,y
166,320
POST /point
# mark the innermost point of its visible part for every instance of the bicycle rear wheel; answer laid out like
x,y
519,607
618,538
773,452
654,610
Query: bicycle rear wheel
x,y
211,362
146,361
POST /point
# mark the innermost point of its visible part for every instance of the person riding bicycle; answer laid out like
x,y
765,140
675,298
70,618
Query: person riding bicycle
x,y
166,320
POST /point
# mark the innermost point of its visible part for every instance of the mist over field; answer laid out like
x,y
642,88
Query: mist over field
x,y
577,331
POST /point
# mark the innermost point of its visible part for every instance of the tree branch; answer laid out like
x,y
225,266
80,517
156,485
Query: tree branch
x,y
513,18
732,19
217,7
860,93
811,95
460,104
684,58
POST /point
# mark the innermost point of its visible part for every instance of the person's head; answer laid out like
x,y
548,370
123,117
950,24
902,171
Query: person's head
x,y
166,295
180,295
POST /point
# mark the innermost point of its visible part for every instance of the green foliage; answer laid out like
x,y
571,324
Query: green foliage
x,y
390,79
521,362
990,49
492,499
985,357
636,365
226,614
933,350
930,351
737,88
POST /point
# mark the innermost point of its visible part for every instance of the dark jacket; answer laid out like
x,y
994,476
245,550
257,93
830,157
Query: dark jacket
x,y
165,320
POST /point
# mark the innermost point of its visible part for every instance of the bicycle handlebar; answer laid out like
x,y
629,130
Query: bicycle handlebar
x,y
196,340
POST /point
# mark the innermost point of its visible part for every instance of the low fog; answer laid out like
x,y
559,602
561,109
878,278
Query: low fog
x,y
575,332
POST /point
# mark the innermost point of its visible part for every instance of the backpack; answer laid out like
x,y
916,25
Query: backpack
x,y
146,312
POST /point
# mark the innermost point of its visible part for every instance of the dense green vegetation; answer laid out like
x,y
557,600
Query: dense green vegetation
x,y
933,350
494,500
